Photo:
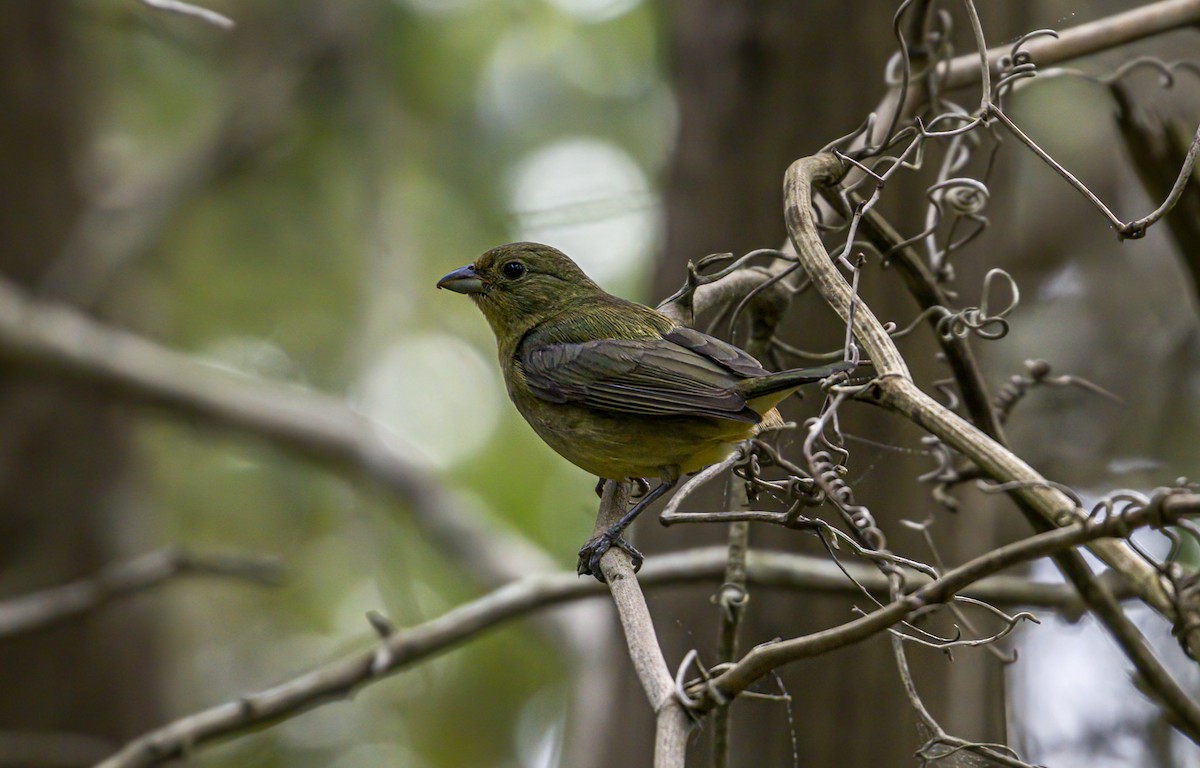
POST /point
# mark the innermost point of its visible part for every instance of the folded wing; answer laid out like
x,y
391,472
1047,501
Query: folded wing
x,y
685,373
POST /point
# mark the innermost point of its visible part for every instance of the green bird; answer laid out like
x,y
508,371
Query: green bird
x,y
614,387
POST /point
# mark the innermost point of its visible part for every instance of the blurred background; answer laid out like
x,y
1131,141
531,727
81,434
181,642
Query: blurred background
x,y
279,199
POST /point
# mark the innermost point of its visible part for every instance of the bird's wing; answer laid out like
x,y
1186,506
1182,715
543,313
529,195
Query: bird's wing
x,y
650,377
722,353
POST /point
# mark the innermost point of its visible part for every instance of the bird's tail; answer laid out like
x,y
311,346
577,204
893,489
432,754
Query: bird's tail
x,y
761,386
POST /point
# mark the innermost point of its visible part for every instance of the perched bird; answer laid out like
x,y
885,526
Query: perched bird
x,y
615,387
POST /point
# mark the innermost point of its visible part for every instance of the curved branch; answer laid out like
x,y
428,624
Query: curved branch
x,y
761,660
895,390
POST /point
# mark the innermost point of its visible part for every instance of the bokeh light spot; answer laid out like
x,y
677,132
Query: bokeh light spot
x,y
588,198
595,10
436,391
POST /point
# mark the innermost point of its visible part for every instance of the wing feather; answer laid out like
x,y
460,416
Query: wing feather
x,y
651,376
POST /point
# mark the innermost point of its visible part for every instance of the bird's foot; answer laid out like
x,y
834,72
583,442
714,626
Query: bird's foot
x,y
591,552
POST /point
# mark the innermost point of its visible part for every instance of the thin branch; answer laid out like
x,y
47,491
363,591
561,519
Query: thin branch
x,y
895,390
45,607
194,11
730,599
985,75
406,647
728,291
1093,37
765,658
1096,595
671,722
1137,227
60,340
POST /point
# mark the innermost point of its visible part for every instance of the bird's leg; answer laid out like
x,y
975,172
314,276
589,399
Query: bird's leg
x,y
643,487
594,549
600,481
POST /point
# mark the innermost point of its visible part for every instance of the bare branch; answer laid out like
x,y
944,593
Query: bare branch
x,y
45,607
194,11
895,390
1100,35
672,726
63,341
406,647
761,660
1133,229
731,599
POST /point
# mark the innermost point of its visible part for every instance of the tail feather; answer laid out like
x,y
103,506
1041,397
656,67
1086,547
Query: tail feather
x,y
777,382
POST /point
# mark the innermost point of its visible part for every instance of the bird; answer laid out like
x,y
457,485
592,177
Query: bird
x,y
615,387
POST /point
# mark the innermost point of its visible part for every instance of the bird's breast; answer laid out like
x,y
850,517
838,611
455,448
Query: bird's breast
x,y
617,445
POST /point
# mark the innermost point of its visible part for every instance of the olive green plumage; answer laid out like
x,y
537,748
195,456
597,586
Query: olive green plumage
x,y
615,387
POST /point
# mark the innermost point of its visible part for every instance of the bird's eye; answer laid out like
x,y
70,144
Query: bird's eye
x,y
513,269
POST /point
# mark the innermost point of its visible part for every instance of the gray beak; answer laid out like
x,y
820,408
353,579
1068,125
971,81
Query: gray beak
x,y
463,280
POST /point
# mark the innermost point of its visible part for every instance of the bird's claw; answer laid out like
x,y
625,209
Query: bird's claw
x,y
591,552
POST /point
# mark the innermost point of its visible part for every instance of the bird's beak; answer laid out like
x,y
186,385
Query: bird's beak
x,y
463,280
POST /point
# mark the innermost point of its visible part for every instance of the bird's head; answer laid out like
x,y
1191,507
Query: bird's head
x,y
520,284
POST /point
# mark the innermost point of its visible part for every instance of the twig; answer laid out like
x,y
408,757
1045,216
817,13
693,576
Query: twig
x,y
1100,35
765,658
1096,595
895,390
928,725
406,647
1133,229
985,75
700,478
730,599
671,722
194,11
39,609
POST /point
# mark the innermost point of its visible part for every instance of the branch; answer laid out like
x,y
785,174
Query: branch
x,y
48,606
924,287
406,647
1083,40
895,390
194,11
1135,228
59,340
671,722
1095,594
767,657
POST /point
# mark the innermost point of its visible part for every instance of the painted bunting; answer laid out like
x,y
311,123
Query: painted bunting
x,y
615,387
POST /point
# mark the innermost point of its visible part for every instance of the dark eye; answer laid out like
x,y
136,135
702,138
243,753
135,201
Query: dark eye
x,y
513,269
